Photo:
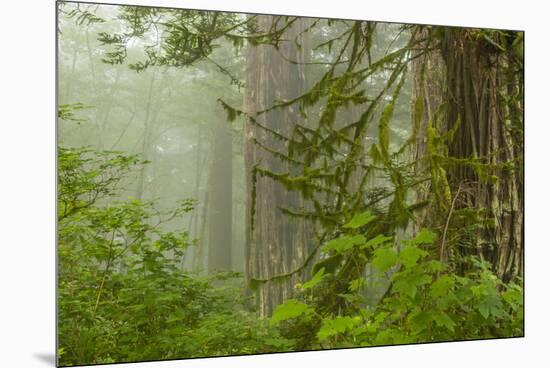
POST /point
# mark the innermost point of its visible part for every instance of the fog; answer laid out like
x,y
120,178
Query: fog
x,y
172,117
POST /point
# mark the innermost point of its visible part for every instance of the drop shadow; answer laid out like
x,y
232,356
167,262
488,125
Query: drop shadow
x,y
46,358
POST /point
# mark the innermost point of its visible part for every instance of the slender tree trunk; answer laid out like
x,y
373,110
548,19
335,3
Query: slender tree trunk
x,y
198,216
220,213
199,164
146,142
198,260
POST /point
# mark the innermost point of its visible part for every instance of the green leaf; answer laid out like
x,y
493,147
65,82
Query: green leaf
x,y
356,284
411,254
443,320
178,315
289,309
491,304
441,286
317,278
419,320
513,296
379,318
360,220
484,309
425,236
434,266
384,258
343,243
338,325
377,240
407,283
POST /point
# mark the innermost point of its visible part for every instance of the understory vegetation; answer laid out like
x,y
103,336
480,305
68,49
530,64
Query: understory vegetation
x,y
124,296
330,184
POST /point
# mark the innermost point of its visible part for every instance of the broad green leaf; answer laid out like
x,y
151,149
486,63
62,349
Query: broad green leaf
x,y
379,318
441,286
407,284
513,296
377,240
360,220
384,258
343,243
405,287
479,291
317,278
338,325
419,320
443,320
484,310
289,309
491,304
425,236
411,254
435,266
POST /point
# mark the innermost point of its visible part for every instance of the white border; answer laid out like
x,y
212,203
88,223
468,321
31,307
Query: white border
x,y
27,151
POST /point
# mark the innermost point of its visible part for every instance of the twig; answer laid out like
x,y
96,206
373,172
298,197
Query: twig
x,y
442,248
104,274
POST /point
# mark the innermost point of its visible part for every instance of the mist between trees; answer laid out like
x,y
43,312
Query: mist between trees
x,y
237,184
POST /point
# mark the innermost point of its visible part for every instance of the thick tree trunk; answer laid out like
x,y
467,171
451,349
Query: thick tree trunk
x,y
477,96
275,243
482,117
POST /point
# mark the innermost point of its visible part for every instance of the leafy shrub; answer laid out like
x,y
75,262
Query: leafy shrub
x,y
122,293
425,300
124,297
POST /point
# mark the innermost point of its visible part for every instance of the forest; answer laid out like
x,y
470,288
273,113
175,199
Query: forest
x,y
234,183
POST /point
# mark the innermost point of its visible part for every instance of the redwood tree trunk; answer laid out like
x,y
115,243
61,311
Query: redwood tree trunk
x,y
478,91
275,243
482,117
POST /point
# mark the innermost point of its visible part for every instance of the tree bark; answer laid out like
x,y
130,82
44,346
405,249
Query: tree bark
x,y
482,100
275,243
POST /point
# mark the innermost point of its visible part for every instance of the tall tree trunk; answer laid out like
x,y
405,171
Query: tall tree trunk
x,y
198,216
426,99
478,94
220,213
147,134
483,112
275,243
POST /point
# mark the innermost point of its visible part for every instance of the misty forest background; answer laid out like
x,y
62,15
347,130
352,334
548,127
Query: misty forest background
x,y
238,184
